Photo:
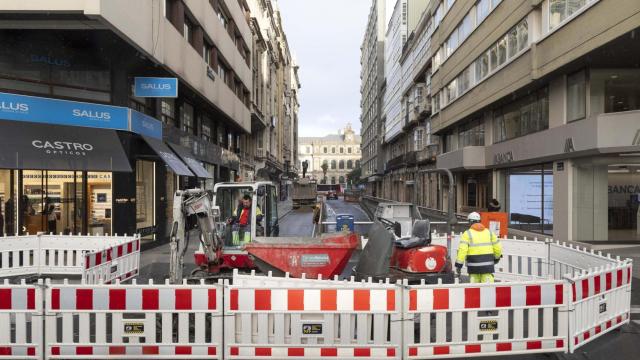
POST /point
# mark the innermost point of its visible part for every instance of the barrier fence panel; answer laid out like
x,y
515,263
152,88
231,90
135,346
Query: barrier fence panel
x,y
348,321
118,262
600,302
21,333
465,320
19,255
134,321
569,258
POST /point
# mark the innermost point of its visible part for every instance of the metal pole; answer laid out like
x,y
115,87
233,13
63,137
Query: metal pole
x,y
452,219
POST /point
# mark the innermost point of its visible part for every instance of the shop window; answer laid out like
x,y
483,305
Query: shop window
x,y
623,202
7,203
576,96
99,192
621,90
52,201
145,216
530,198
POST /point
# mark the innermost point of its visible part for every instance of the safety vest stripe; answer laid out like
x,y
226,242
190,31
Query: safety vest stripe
x,y
474,264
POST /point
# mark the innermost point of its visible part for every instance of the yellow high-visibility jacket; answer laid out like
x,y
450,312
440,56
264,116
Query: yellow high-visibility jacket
x,y
480,248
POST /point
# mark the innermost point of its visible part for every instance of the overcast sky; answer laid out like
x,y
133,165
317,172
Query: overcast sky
x,y
325,36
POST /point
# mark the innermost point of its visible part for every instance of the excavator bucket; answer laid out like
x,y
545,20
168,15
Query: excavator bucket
x,y
375,257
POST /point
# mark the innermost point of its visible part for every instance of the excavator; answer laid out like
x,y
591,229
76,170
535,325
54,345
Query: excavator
x,y
398,245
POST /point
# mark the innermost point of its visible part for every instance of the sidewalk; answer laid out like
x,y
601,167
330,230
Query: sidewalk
x,y
284,207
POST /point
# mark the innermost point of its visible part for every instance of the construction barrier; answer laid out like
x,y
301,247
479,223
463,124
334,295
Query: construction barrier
x,y
534,307
134,321
118,262
312,318
21,318
461,320
600,302
56,255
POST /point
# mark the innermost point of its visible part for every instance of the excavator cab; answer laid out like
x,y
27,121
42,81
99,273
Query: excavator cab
x,y
230,198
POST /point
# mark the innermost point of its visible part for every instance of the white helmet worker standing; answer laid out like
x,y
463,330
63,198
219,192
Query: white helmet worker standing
x,y
481,250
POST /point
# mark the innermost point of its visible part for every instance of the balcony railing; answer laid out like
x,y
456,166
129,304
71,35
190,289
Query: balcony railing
x,y
426,155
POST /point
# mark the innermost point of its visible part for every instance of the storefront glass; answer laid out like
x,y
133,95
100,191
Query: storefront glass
x,y
145,215
624,198
100,202
7,202
530,198
52,202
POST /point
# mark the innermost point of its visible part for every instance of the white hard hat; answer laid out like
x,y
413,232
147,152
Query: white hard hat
x,y
474,217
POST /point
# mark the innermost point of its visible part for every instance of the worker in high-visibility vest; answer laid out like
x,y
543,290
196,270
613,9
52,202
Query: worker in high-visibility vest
x,y
481,249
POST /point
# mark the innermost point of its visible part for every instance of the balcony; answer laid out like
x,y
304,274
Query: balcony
x,y
428,154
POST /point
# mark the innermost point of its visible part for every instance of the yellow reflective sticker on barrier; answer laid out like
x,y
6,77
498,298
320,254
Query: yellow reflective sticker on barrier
x,y
488,325
131,328
312,329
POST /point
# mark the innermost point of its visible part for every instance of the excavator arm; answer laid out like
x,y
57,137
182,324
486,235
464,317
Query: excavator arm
x,y
193,203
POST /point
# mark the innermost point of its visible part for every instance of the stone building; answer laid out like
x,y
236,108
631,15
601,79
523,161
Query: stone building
x,y
274,101
341,153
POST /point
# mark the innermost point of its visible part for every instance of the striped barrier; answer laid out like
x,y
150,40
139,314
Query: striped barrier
x,y
600,302
55,255
119,262
134,321
501,319
313,321
21,319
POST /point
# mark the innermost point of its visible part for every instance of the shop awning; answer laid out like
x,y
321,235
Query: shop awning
x,y
35,146
169,158
192,162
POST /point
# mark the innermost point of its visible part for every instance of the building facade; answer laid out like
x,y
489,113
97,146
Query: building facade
x,y
109,160
536,104
372,75
275,102
340,152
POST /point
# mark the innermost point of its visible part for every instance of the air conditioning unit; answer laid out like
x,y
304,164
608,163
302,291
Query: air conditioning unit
x,y
211,73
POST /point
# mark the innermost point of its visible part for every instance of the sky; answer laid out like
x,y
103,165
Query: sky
x,y
325,37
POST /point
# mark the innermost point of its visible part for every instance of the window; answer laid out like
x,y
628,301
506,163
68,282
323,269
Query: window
x,y
483,10
560,10
222,71
524,116
342,181
188,30
341,165
186,118
530,198
523,35
308,149
418,137
482,67
349,150
324,149
333,164
349,164
333,180
357,164
471,134
513,42
206,129
207,50
341,150
502,51
576,96
167,109
333,150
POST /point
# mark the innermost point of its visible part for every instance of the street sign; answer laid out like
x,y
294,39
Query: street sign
x,y
156,87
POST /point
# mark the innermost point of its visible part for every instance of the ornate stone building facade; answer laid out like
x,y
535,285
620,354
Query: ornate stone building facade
x,y
341,153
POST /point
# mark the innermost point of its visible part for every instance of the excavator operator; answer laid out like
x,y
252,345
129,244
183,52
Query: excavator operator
x,y
481,249
241,221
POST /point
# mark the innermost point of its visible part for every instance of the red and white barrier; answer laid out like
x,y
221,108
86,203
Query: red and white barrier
x,y
306,319
485,318
600,302
21,313
51,255
118,262
134,321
